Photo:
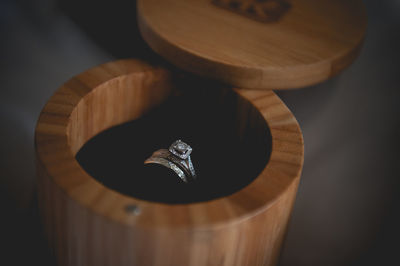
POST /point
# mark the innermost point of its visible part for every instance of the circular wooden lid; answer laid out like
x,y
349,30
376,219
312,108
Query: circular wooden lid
x,y
264,44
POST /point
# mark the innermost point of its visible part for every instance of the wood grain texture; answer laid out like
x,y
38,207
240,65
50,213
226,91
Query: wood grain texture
x,y
87,223
267,44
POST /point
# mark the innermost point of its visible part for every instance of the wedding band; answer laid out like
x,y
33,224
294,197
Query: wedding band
x,y
176,158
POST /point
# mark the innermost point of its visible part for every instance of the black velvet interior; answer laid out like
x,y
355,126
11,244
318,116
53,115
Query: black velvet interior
x,y
207,119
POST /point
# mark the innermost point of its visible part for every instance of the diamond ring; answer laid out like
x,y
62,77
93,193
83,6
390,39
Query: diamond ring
x,y
177,158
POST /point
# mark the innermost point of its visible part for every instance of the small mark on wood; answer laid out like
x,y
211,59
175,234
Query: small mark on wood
x,y
133,209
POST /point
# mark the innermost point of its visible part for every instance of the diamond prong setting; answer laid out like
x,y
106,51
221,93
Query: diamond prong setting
x,y
180,149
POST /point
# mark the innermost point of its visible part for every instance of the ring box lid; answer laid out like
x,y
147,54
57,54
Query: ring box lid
x,y
259,44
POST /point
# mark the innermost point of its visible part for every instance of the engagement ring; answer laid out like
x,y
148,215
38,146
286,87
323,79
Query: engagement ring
x,y
177,158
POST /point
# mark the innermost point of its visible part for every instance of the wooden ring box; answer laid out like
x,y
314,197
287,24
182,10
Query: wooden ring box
x,y
88,223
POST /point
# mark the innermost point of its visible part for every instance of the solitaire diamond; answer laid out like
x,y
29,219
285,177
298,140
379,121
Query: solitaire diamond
x,y
180,149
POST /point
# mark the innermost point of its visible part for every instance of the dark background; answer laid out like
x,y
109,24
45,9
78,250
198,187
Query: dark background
x,y
346,211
